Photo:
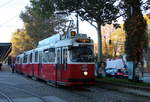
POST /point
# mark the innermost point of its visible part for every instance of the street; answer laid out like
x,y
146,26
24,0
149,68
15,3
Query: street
x,y
23,89
147,77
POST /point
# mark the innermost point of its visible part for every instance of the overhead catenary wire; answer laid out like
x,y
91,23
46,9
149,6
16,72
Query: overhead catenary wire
x,y
7,21
6,3
5,24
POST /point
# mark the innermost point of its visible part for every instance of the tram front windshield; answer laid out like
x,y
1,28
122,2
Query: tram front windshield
x,y
82,54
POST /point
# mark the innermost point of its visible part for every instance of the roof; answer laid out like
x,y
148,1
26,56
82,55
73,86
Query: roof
x,y
65,42
50,41
5,49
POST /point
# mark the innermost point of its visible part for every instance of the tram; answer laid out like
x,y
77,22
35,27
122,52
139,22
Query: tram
x,y
60,60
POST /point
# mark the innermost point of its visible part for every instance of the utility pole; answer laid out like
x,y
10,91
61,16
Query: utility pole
x,y
77,17
77,23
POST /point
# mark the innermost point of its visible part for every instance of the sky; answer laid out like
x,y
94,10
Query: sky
x,y
9,17
10,21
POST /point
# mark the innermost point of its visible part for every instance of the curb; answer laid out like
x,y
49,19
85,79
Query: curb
x,y
126,88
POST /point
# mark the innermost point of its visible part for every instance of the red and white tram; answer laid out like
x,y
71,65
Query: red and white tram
x,y
68,61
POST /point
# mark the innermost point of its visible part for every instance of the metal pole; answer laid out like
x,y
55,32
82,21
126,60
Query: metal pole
x,y
77,17
77,23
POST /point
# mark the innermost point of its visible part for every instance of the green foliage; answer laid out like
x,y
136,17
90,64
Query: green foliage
x,y
39,23
37,27
136,36
44,8
100,12
125,7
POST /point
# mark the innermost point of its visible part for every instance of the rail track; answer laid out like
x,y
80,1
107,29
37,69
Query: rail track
x,y
6,97
9,99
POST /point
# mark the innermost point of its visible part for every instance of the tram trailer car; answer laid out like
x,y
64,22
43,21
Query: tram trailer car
x,y
60,61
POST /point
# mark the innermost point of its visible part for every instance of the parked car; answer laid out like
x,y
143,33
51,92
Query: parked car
x,y
111,72
117,73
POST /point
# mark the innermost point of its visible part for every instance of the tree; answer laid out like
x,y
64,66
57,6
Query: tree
x,y
36,27
113,40
21,42
147,18
38,24
118,40
107,31
41,23
100,12
135,28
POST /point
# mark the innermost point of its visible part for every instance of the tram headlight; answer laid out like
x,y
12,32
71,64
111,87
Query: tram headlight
x,y
85,73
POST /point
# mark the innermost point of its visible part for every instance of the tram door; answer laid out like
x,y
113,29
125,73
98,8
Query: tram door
x,y
59,65
31,64
64,62
40,65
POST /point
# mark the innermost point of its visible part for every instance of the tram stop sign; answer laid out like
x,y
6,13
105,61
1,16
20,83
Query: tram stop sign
x,y
5,49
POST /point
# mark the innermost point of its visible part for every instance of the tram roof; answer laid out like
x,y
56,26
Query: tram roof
x,y
71,42
5,49
65,42
50,41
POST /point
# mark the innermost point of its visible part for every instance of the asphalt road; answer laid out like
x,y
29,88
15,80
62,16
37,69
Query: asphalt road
x,y
147,77
22,89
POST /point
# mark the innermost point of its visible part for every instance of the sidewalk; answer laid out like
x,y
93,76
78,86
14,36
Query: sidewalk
x,y
147,74
6,68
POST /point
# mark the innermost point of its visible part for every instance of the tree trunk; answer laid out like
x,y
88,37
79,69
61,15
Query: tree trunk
x,y
99,42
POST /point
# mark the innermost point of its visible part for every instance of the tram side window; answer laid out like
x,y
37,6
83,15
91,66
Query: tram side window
x,y
40,57
36,57
28,59
31,58
25,59
17,61
58,56
64,56
45,56
51,55
20,61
